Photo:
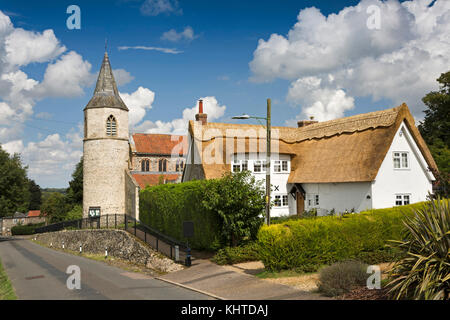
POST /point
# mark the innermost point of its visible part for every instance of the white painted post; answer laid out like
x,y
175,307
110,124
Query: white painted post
x,y
106,252
177,253
63,245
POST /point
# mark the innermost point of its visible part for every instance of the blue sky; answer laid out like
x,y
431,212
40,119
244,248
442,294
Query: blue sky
x,y
223,56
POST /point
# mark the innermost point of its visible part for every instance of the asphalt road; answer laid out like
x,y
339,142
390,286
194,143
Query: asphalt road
x,y
37,272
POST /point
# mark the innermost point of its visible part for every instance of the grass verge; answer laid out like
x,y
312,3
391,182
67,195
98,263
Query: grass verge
x,y
6,289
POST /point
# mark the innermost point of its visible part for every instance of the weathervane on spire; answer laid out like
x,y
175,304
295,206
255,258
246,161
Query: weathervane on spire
x,y
106,44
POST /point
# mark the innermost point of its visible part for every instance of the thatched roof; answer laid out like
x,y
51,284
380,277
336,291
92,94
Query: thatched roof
x,y
349,149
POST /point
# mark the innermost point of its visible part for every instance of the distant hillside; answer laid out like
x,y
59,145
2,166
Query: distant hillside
x,y
46,192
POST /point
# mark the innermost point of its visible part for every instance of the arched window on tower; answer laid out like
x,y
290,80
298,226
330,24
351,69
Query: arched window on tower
x,y
145,165
111,126
162,165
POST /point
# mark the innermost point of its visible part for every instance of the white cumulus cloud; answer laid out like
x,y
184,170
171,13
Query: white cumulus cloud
x,y
174,36
179,126
137,102
400,61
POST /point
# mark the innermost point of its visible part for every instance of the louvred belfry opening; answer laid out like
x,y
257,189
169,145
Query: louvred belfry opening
x,y
111,126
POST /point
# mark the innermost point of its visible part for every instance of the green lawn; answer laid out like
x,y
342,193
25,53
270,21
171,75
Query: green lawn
x,y
6,289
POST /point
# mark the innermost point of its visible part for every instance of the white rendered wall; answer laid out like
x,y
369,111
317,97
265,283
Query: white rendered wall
x,y
415,181
278,180
339,196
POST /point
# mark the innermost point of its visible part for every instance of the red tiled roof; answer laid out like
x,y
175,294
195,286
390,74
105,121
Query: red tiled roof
x,y
160,143
153,179
34,213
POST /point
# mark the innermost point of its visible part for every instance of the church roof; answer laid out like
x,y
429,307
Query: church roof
x,y
145,180
106,93
160,144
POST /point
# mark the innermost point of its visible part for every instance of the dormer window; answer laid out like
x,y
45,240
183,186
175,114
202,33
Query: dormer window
x,y
111,126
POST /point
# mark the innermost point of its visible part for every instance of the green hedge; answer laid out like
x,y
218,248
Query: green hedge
x,y
310,243
26,229
165,207
229,255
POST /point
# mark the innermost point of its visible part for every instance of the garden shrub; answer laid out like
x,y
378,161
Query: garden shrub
x,y
424,270
341,277
232,255
224,211
325,240
26,229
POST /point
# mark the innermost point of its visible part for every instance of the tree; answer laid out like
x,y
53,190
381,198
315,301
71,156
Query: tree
x,y
14,186
56,207
75,190
239,201
35,196
435,129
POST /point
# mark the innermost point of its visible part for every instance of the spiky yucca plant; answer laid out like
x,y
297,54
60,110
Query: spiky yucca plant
x,y
424,272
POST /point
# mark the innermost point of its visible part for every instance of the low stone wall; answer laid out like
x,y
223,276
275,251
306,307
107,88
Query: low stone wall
x,y
119,243
7,223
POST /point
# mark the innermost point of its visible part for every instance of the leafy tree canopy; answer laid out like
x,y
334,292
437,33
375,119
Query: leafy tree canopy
x,y
435,129
56,207
14,185
75,190
35,196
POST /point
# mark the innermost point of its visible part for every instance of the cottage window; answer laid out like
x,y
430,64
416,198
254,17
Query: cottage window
x,y
111,126
239,165
401,160
259,166
277,201
312,200
236,166
402,199
277,166
284,165
285,200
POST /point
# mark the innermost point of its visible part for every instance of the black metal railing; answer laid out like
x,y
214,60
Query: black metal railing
x,y
105,221
167,245
162,243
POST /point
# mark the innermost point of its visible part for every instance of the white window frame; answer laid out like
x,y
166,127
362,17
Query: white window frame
x,y
280,197
262,164
400,197
241,164
279,164
399,155
312,200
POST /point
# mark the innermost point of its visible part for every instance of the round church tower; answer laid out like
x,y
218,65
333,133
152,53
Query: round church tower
x,y
105,148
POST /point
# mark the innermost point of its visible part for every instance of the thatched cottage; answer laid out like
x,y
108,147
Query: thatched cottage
x,y
372,160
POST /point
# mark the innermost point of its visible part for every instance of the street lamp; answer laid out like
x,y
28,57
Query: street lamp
x,y
245,117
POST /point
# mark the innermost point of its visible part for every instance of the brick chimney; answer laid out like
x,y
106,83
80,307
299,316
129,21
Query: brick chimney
x,y
200,116
304,123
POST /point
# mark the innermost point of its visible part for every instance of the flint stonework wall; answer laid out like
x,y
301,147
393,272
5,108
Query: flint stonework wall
x,y
119,243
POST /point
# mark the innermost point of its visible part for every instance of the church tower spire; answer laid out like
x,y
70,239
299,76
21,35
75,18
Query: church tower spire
x,y
105,147
106,93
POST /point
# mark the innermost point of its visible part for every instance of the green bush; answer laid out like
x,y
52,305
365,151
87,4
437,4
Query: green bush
x,y
232,255
324,240
424,272
341,277
26,229
224,211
